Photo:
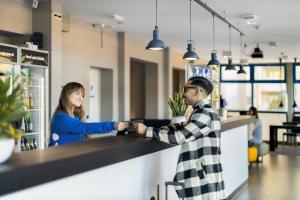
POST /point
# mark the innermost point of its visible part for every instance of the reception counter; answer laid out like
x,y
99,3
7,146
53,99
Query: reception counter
x,y
122,167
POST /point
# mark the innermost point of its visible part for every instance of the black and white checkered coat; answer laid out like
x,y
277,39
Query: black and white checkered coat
x,y
199,166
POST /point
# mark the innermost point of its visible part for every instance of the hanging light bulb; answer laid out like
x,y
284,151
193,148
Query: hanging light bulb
x,y
156,43
230,66
214,61
190,54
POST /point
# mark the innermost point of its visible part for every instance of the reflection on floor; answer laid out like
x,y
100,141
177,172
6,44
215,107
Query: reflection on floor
x,y
277,178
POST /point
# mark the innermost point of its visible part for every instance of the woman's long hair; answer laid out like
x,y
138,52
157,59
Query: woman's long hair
x,y
64,104
254,111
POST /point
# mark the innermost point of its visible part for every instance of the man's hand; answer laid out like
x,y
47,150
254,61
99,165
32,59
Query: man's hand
x,y
141,128
120,126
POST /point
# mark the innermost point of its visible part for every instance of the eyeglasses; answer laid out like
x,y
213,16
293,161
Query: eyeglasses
x,y
186,88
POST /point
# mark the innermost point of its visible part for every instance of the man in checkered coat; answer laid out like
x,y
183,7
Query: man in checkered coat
x,y
199,166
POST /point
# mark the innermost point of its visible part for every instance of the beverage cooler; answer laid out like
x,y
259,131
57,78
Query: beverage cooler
x,y
33,70
211,73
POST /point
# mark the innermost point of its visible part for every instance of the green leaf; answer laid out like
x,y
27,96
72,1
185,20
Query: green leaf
x,y
177,104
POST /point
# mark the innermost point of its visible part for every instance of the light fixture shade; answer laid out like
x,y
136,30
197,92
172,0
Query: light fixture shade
x,y
214,60
190,54
257,53
281,104
295,104
156,43
230,66
241,70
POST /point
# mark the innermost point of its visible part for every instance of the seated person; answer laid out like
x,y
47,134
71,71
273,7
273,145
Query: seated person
x,y
67,125
256,128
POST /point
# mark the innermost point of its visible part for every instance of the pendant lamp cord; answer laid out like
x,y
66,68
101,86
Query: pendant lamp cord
x,y
155,12
190,20
280,63
241,46
213,32
230,39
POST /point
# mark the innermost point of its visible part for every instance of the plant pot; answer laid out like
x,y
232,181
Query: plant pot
x,y
7,147
178,119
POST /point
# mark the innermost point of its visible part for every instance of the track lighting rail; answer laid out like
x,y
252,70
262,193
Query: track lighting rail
x,y
218,16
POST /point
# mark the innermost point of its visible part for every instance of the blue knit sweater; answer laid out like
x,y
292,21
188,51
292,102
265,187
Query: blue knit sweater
x,y
66,129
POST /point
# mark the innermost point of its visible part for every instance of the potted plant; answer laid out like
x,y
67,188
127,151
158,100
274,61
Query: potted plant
x,y
178,107
11,111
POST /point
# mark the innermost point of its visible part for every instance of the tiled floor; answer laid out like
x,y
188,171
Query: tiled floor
x,y
277,178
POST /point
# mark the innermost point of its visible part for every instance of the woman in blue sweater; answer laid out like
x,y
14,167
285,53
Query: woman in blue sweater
x,y
67,124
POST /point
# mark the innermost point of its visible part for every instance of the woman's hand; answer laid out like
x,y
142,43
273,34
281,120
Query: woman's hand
x,y
120,126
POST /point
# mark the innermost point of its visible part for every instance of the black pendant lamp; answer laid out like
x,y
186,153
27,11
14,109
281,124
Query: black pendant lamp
x,y
241,70
230,66
295,104
190,54
214,61
241,65
156,43
281,102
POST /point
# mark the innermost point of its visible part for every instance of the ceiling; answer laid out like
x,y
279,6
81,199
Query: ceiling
x,y
278,21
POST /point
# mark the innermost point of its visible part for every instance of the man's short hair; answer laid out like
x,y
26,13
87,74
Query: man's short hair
x,y
203,83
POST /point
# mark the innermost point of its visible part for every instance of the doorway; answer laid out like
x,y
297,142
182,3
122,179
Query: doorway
x,y
143,90
101,94
178,79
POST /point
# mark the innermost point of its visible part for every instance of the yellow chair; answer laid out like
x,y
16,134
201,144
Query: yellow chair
x,y
252,154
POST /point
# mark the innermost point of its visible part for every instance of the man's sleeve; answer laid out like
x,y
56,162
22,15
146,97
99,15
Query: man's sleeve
x,y
198,126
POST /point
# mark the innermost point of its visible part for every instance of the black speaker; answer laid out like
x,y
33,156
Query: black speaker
x,y
37,39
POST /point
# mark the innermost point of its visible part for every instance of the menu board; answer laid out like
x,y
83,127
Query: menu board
x,y
30,57
8,54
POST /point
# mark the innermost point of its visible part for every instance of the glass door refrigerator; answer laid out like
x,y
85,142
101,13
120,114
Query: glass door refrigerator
x,y
8,60
33,70
211,73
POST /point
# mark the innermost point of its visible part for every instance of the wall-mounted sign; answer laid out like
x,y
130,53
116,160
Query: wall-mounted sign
x,y
29,57
8,54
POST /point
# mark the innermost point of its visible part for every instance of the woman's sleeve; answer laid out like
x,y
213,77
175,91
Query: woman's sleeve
x,y
74,125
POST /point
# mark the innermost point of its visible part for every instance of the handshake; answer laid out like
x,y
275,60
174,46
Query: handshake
x,y
133,126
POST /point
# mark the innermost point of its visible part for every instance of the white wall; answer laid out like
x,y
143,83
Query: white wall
x,y
16,16
81,49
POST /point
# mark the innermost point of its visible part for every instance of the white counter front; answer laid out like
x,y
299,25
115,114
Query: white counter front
x,y
138,178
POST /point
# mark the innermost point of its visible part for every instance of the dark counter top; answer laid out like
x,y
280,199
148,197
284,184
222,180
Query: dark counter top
x,y
32,168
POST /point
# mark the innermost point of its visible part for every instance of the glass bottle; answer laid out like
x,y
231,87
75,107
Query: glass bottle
x,y
27,147
30,125
35,146
30,101
30,144
23,148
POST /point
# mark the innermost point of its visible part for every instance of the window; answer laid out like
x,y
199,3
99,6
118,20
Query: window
x,y
231,75
297,87
264,86
297,72
297,96
237,95
268,96
268,73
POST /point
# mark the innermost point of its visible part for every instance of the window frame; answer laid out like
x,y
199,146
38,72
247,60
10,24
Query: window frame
x,y
295,81
252,80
